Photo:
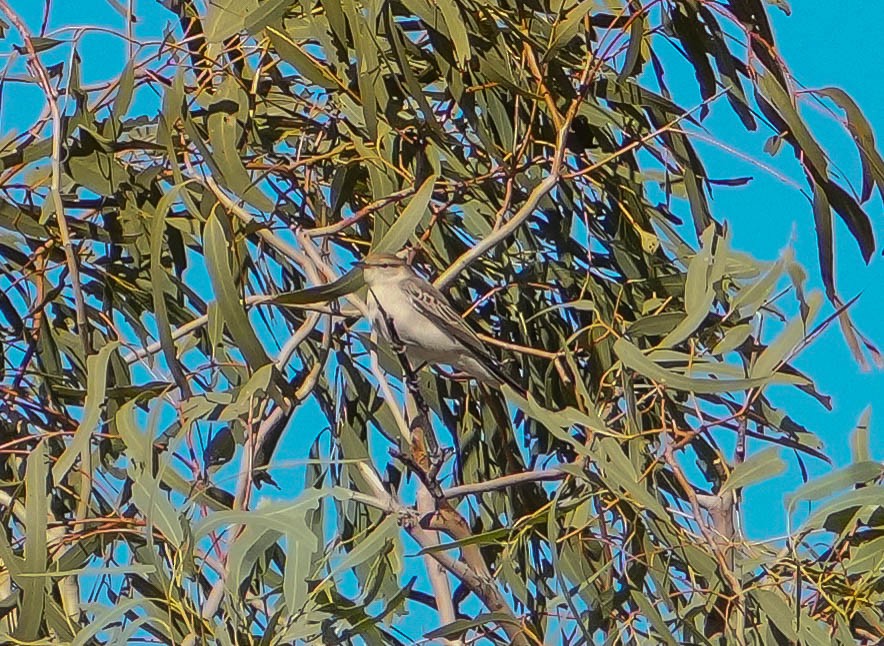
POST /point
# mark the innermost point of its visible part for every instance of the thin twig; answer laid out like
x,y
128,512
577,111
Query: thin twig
x,y
42,76
337,227
714,545
475,575
503,231
200,321
435,571
521,349
504,482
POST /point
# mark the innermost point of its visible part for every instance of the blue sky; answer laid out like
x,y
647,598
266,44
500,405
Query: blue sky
x,y
825,44
824,47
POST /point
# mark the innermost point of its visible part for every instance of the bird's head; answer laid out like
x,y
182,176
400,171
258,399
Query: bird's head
x,y
384,268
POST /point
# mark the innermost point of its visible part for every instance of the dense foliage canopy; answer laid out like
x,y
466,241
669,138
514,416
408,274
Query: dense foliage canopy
x,y
200,443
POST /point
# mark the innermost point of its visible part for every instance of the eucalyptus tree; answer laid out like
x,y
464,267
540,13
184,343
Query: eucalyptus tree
x,y
203,443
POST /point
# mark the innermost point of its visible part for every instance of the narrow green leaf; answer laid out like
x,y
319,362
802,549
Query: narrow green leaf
x,y
301,544
490,537
460,626
274,516
851,213
727,63
634,49
89,163
634,359
775,608
407,223
40,44
867,558
105,618
155,506
696,43
858,473
126,89
655,324
224,18
249,394
693,177
567,29
619,473
58,621
96,383
864,136
822,219
370,546
336,19
705,270
456,29
269,12
649,610
368,73
311,69
224,133
250,545
785,344
696,285
758,467
346,284
559,422
231,309
869,496
801,138
750,298
138,444
859,439
553,533
732,339
415,88
36,510
160,281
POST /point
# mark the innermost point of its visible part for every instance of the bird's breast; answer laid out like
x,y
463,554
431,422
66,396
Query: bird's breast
x,y
418,333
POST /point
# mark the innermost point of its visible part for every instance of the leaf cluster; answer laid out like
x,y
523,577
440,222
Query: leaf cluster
x,y
536,165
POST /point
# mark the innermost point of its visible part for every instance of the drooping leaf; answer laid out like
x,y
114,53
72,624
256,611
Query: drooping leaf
x,y
228,297
857,473
407,223
95,399
758,467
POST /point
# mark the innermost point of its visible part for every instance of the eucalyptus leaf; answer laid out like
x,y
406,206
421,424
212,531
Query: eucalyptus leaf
x,y
760,466
204,207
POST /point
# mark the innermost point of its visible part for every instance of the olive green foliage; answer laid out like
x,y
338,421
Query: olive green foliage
x,y
174,323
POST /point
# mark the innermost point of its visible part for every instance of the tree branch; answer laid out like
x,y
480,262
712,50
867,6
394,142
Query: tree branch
x,y
73,265
504,482
503,231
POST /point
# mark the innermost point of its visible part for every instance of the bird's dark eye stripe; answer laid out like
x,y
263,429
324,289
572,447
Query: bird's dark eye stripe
x,y
383,264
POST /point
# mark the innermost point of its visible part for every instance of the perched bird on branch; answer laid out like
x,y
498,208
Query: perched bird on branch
x,y
424,323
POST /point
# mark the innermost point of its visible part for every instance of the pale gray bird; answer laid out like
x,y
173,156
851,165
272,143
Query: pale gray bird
x,y
424,321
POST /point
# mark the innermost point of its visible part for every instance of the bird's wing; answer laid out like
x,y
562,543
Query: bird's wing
x,y
432,304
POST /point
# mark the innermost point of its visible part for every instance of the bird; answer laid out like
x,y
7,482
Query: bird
x,y
424,322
